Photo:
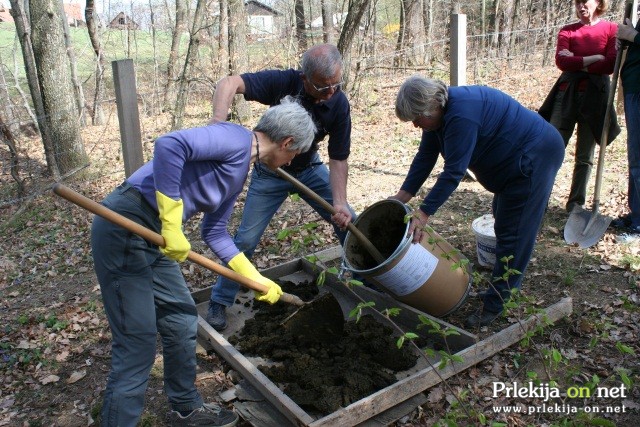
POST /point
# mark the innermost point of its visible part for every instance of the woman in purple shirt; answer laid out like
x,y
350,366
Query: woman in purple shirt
x,y
200,170
513,152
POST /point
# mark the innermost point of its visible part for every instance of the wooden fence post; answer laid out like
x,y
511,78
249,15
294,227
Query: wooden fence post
x,y
127,101
458,61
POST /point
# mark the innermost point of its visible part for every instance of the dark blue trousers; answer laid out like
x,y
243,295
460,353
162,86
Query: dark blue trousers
x,y
518,210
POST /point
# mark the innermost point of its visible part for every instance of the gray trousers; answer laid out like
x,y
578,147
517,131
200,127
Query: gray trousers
x,y
144,293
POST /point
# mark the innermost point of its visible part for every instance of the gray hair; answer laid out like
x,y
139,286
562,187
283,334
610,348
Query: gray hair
x,y
288,119
420,96
322,61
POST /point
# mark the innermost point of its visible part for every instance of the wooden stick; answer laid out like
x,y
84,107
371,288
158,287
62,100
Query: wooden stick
x,y
155,238
375,253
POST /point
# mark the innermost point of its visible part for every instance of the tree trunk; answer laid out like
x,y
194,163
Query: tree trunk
x,y
495,24
405,40
56,86
189,63
357,8
427,19
172,62
156,68
92,28
513,27
77,87
14,166
238,56
23,30
223,44
327,21
6,104
301,33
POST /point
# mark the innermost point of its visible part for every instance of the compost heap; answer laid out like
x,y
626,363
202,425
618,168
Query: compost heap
x,y
320,376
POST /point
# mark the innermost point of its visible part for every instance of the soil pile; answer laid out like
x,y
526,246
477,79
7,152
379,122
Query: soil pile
x,y
323,376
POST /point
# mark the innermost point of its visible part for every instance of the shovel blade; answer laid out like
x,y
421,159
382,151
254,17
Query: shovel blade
x,y
319,320
585,228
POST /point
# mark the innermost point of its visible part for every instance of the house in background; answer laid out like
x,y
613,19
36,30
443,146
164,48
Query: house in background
x,y
75,16
73,12
123,22
262,19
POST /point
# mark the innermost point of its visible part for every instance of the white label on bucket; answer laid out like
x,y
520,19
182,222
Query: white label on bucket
x,y
412,271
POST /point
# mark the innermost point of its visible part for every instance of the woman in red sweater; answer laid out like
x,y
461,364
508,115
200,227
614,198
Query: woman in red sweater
x,y
586,54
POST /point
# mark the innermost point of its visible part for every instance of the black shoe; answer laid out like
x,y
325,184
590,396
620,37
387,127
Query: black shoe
x,y
622,222
216,316
207,415
481,318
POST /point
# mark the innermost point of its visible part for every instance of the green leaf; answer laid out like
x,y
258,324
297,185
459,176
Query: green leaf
x,y
625,349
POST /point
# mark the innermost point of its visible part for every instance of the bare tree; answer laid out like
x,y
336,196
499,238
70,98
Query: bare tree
x,y
14,165
327,21
97,115
172,62
223,43
301,33
23,29
189,63
77,87
56,87
238,57
356,8
405,35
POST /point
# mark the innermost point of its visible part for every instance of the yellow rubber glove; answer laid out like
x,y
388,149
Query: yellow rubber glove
x,y
176,244
241,265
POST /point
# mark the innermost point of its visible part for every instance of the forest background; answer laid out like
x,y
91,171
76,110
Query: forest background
x,y
59,123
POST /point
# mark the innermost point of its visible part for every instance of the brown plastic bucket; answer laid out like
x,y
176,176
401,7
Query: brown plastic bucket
x,y
427,276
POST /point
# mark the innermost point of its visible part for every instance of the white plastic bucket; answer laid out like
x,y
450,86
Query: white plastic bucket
x,y
485,240
428,276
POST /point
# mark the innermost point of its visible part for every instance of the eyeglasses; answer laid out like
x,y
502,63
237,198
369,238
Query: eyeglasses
x,y
335,87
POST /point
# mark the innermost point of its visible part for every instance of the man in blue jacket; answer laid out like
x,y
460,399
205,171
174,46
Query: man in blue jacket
x,y
317,86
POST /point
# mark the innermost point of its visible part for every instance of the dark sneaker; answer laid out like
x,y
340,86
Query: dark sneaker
x,y
481,318
621,222
208,414
216,316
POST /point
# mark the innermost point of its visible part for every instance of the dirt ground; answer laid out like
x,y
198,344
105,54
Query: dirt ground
x,y
55,341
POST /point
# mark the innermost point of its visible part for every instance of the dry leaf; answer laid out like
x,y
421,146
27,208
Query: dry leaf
x,y
49,379
76,376
435,395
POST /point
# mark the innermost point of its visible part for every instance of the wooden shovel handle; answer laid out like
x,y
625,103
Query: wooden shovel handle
x,y
373,251
155,238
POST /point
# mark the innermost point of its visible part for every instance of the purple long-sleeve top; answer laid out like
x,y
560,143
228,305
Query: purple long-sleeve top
x,y
206,167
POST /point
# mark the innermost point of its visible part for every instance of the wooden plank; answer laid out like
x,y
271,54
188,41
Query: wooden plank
x,y
269,390
124,82
386,398
394,414
260,414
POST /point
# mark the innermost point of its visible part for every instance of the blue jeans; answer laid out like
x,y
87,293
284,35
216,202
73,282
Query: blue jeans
x,y
632,117
144,293
518,210
266,193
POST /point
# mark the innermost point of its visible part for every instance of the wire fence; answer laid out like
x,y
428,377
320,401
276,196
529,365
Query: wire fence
x,y
518,68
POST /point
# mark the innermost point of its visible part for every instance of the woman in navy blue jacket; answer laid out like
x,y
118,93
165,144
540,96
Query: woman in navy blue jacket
x,y
513,152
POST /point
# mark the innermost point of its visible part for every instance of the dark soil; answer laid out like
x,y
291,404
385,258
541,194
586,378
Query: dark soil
x,y
323,375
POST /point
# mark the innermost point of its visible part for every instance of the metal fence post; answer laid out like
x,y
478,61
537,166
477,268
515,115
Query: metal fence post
x,y
458,63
